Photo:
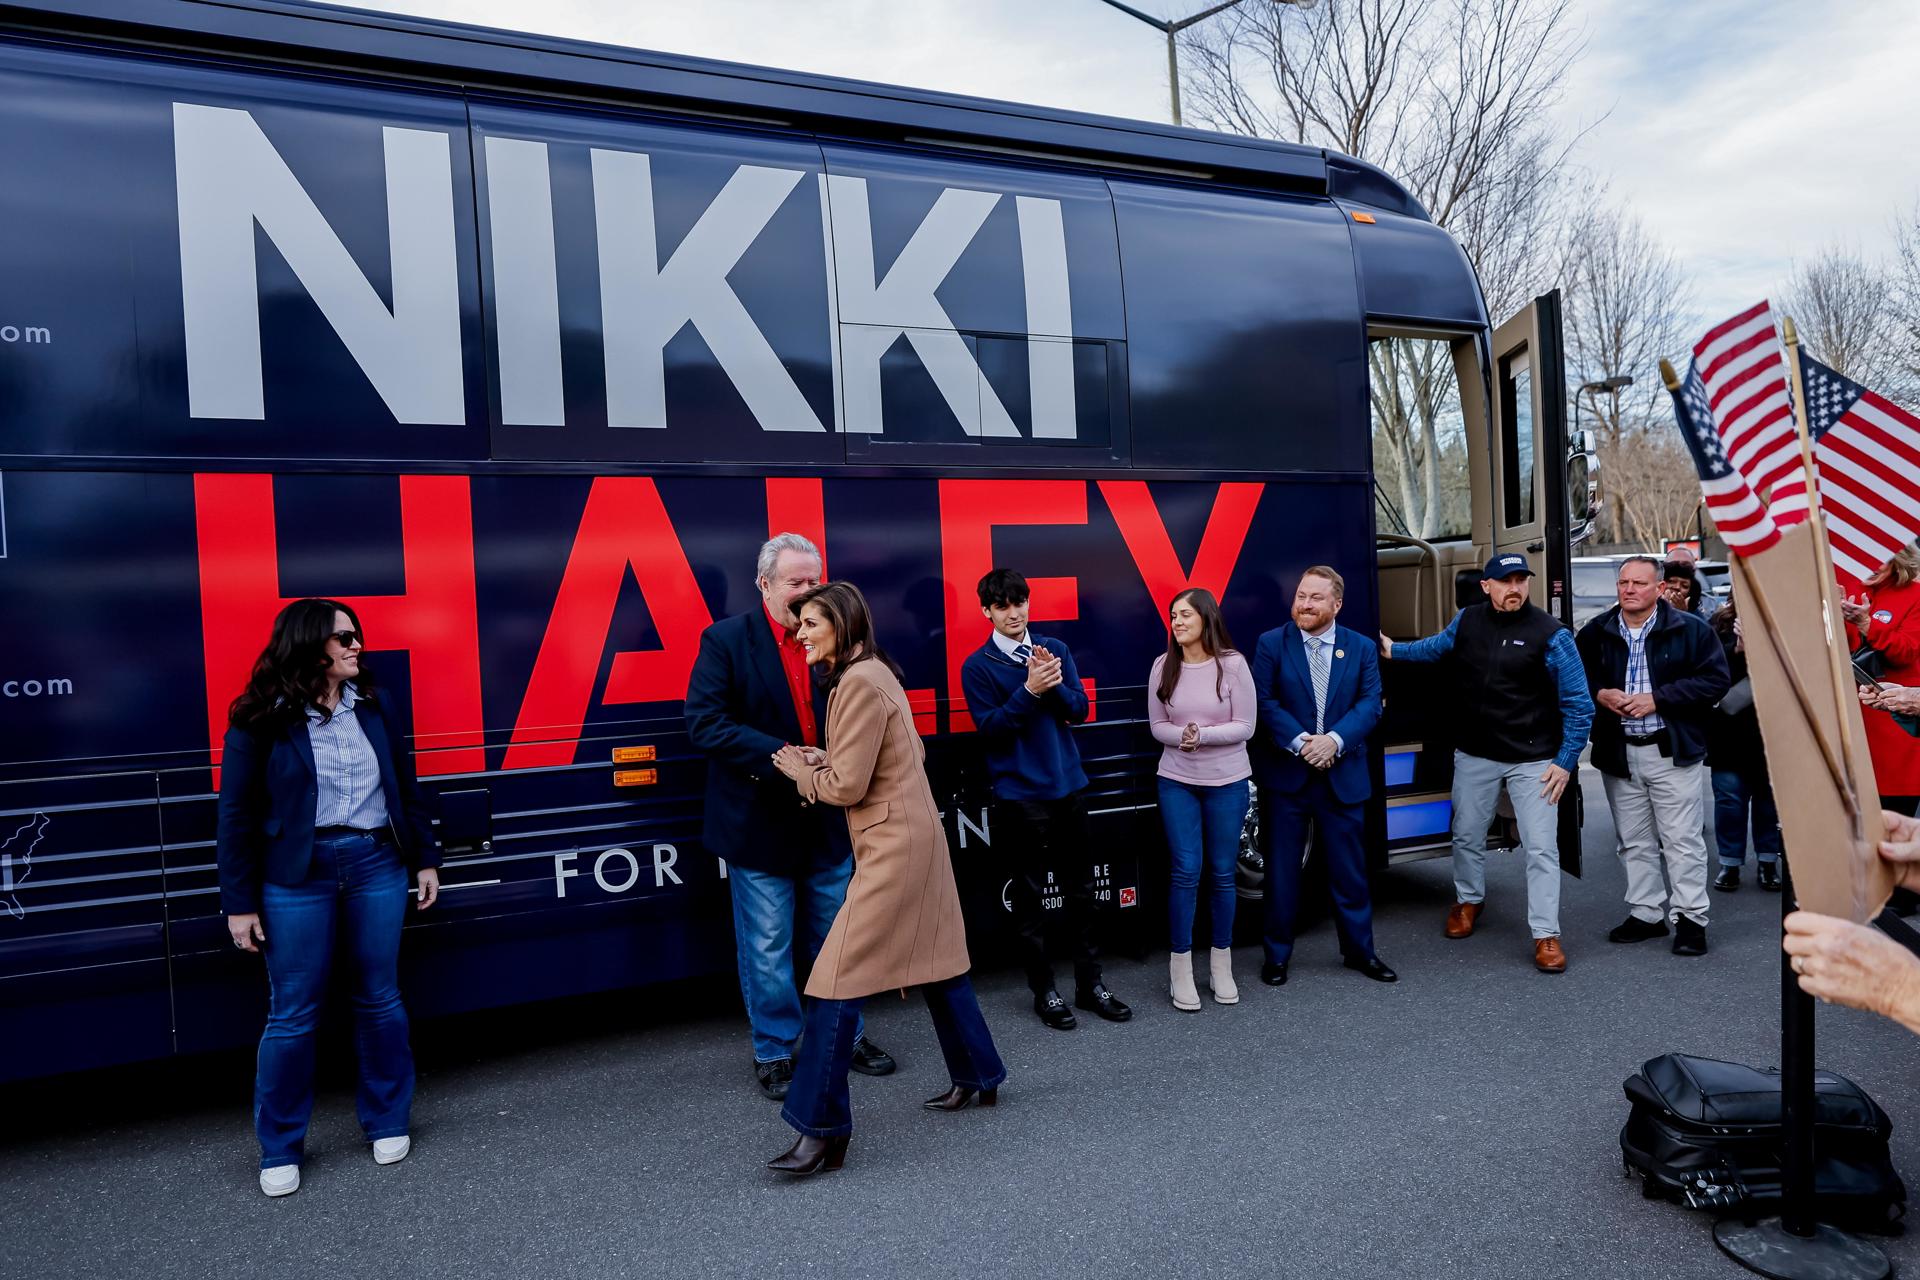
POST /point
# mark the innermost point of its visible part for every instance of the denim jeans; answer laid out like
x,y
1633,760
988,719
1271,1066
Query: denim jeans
x,y
1203,826
1476,793
1732,794
767,910
355,895
817,1101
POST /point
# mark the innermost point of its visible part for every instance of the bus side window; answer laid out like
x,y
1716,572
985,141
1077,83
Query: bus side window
x,y
1516,441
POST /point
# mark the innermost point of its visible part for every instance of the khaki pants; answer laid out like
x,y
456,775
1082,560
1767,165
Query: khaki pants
x,y
1657,813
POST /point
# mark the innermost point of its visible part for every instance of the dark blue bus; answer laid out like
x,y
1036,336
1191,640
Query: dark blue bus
x,y
523,346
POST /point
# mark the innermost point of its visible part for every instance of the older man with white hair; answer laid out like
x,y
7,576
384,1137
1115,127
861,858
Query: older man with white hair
x,y
750,694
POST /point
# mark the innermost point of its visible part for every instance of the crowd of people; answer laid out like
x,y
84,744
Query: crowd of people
x,y
838,866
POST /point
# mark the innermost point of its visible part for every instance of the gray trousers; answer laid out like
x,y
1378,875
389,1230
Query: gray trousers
x,y
1657,815
1476,790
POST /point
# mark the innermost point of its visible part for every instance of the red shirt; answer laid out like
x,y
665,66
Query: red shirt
x,y
793,660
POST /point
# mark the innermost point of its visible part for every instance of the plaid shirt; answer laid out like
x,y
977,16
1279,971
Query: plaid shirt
x,y
1639,674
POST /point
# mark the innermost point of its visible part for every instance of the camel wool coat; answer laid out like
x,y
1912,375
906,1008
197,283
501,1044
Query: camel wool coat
x,y
900,925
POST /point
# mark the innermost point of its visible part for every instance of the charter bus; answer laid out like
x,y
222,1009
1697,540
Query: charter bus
x,y
522,346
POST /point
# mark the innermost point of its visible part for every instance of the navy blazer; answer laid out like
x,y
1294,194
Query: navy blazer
x,y
1285,689
739,712
269,794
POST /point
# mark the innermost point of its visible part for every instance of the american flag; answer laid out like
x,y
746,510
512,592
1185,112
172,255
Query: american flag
x,y
1740,366
1868,449
1743,520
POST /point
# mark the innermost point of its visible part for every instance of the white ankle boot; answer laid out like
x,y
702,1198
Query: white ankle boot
x,y
1180,982
1224,992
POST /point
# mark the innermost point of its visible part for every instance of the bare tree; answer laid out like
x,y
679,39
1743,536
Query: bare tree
x,y
1651,477
1626,299
1904,309
1843,306
1455,99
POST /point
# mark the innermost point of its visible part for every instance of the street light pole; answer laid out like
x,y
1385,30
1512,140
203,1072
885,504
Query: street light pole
x,y
1172,30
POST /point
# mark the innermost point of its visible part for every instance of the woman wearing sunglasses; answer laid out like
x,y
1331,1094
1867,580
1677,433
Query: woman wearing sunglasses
x,y
321,835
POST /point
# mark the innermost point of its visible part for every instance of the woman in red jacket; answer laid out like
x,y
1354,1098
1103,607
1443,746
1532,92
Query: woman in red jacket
x,y
1886,617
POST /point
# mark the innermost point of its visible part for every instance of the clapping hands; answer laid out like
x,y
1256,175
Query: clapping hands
x,y
1043,671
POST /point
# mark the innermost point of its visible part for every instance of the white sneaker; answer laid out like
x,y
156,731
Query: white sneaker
x,y
281,1180
391,1150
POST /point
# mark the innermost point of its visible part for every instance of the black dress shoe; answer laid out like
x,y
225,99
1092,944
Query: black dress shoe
x,y
811,1155
1634,929
1274,975
957,1098
1689,939
1371,967
1097,999
1728,880
869,1059
774,1077
1770,876
1053,1010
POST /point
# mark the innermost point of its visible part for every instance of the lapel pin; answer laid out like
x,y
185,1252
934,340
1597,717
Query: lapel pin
x,y
1339,653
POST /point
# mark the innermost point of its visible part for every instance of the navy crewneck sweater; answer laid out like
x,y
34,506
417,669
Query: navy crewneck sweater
x,y
1030,750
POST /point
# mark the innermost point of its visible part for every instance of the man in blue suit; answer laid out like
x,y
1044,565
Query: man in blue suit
x,y
1319,690
788,865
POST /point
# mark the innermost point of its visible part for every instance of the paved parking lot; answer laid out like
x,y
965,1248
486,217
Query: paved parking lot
x,y
1460,1123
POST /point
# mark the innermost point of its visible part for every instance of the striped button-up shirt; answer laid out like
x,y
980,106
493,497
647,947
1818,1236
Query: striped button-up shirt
x,y
346,769
1639,674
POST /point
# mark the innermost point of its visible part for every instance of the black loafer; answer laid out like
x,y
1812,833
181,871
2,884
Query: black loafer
x,y
1634,929
1728,879
1689,939
1053,1011
1770,876
1097,999
1371,967
869,1059
1274,975
774,1077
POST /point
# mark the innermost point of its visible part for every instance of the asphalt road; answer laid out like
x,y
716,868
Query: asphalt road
x,y
1460,1123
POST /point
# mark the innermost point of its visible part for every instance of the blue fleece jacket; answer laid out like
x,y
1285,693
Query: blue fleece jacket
x,y
1030,751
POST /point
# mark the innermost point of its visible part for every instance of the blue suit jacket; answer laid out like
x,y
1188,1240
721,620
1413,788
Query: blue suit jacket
x,y
739,712
269,793
1285,688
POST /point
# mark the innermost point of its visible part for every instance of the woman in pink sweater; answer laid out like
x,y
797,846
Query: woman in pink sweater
x,y
1201,706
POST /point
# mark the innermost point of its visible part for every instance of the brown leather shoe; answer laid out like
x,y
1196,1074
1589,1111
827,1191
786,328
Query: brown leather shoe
x,y
1460,919
1548,957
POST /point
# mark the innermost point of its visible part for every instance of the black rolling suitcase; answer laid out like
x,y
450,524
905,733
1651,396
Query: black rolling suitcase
x,y
1709,1134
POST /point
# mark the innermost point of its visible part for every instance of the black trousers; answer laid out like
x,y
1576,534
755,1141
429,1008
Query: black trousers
x,y
1046,847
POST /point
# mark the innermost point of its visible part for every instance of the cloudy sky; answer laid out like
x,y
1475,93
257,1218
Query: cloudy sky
x,y
1745,133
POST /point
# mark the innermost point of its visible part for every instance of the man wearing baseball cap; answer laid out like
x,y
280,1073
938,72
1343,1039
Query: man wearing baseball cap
x,y
1523,719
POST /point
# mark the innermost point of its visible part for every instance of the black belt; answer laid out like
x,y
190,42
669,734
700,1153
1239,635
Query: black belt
x,y
329,833
1646,739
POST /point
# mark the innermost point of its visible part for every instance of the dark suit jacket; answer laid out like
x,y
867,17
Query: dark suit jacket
x,y
739,712
1285,689
268,795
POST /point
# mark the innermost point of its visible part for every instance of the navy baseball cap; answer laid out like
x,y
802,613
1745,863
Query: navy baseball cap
x,y
1508,565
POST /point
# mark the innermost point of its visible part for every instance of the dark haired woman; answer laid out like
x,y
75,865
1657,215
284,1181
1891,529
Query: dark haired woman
x,y
1201,707
319,822
900,925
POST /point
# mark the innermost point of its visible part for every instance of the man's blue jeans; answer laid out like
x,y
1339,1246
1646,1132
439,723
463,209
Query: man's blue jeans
x,y
1203,826
1732,793
818,1103
356,894
768,909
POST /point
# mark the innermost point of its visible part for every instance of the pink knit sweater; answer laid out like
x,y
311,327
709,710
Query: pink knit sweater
x,y
1226,721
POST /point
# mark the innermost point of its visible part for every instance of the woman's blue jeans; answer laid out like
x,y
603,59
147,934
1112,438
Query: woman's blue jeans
x,y
1203,828
817,1101
354,897
1732,793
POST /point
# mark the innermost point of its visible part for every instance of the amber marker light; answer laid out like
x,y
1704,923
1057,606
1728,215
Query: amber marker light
x,y
635,777
633,755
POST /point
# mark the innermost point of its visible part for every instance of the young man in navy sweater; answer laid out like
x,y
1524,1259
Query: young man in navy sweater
x,y
1024,696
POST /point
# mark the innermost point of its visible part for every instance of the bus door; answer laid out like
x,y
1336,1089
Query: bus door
x,y
1531,490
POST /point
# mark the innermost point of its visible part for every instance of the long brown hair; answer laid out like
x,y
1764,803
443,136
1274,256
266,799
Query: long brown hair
x,y
1213,638
846,611
290,674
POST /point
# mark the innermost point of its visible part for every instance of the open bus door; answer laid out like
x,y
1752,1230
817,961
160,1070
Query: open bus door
x,y
1530,493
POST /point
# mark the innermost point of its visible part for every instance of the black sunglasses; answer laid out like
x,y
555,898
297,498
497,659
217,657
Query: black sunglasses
x,y
347,639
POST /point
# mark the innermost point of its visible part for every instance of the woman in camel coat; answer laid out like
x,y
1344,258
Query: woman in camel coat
x,y
900,925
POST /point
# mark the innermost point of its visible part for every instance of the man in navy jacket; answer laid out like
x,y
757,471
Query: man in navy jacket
x,y
788,865
1025,696
1319,690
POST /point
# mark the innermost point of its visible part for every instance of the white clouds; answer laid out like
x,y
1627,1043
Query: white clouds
x,y
1745,133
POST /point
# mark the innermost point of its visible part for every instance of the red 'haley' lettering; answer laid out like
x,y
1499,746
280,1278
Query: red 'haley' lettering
x,y
434,621
1152,550
624,527
795,505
